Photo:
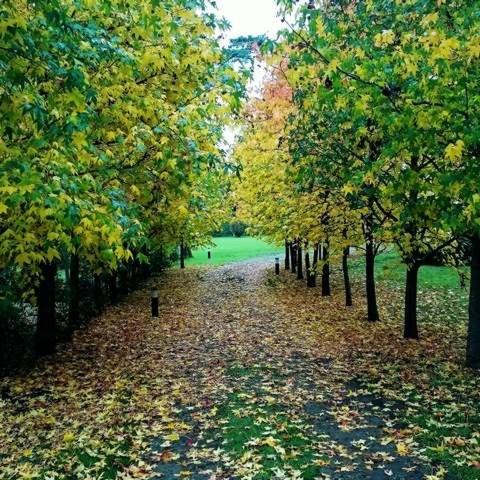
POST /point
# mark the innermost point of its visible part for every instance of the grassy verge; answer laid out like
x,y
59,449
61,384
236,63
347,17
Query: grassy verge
x,y
231,249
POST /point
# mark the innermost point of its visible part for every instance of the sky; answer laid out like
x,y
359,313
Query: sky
x,y
250,17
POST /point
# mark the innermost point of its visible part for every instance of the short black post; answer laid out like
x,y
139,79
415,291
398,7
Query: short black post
x,y
209,254
277,266
155,303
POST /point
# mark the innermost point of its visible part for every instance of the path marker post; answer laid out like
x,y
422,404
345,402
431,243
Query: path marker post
x,y
154,303
277,266
209,254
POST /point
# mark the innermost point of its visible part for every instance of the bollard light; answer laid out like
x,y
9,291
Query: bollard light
x,y
209,254
277,266
155,303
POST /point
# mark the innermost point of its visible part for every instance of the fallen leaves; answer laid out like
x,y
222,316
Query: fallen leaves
x,y
292,386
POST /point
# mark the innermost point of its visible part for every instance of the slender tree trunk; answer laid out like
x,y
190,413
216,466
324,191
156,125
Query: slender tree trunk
x,y
182,256
299,262
123,280
346,278
46,333
411,327
473,339
112,285
98,294
287,255
189,252
74,290
372,308
326,291
311,271
293,257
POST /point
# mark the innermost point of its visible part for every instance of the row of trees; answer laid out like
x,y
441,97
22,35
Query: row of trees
x,y
111,117
367,133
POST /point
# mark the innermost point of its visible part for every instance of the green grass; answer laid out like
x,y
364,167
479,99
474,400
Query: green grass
x,y
232,249
389,268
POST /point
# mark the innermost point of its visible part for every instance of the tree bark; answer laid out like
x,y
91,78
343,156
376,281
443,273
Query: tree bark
x,y
411,327
299,262
98,294
287,255
74,290
46,332
372,308
346,278
326,291
112,285
293,257
182,256
123,280
473,339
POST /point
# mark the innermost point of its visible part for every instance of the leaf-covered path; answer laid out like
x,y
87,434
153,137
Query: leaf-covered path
x,y
245,375
264,394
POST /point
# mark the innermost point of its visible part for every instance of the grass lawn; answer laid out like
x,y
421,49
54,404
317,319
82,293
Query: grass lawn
x,y
232,249
389,268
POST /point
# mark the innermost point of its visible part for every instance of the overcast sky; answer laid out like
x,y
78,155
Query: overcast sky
x,y
250,17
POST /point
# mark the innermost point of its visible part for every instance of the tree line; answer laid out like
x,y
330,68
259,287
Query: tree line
x,y
111,120
366,133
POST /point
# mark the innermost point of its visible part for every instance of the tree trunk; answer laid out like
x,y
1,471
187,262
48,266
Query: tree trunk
x,y
189,252
287,255
46,333
293,257
473,339
182,256
74,290
299,262
123,280
372,308
112,285
346,278
98,294
411,327
326,292
311,271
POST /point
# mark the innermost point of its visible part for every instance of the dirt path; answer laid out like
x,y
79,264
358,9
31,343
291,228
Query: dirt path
x,y
261,393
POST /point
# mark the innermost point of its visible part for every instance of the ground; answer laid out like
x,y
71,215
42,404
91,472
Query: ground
x,y
247,375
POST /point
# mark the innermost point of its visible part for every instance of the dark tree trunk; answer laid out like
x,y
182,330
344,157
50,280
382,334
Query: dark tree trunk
x,y
112,286
311,271
98,294
74,300
287,255
372,308
326,292
346,278
293,257
411,327
473,339
299,263
123,280
46,333
182,256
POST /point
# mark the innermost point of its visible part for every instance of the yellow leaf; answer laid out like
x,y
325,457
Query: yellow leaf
x,y
68,437
3,208
402,449
270,441
52,253
173,437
